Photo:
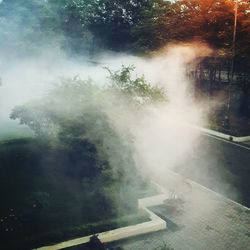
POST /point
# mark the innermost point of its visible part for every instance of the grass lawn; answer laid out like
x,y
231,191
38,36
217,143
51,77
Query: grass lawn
x,y
44,198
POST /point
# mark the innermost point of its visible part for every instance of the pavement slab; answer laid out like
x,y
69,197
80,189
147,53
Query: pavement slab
x,y
204,220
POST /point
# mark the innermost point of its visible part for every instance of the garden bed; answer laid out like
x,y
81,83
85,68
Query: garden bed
x,y
47,200
65,234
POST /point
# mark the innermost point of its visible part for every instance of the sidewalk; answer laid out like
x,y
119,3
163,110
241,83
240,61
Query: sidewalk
x,y
206,221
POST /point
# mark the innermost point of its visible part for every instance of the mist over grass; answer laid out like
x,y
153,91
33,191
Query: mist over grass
x,y
131,136
161,137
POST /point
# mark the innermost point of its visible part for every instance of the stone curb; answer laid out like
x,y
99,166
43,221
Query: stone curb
x,y
222,135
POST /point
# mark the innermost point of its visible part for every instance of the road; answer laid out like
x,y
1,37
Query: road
x,y
220,165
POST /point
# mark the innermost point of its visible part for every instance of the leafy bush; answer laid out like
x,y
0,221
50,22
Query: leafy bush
x,y
82,159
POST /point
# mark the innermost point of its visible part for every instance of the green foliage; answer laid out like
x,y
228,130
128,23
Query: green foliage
x,y
75,108
153,29
51,191
146,25
77,117
137,89
109,21
137,26
81,161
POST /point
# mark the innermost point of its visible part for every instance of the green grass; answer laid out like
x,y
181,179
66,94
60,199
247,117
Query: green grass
x,y
43,199
64,234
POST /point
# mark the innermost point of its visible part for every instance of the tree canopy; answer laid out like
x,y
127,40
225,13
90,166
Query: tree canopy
x,y
80,117
137,26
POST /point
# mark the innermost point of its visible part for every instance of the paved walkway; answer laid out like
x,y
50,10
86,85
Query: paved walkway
x,y
205,221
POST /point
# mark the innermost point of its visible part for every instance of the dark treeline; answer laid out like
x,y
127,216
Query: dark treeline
x,y
137,26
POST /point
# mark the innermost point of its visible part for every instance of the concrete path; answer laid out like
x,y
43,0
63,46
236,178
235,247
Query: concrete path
x,y
206,221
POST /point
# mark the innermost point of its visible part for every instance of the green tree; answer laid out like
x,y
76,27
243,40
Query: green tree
x,y
213,22
76,116
136,89
151,31
116,25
